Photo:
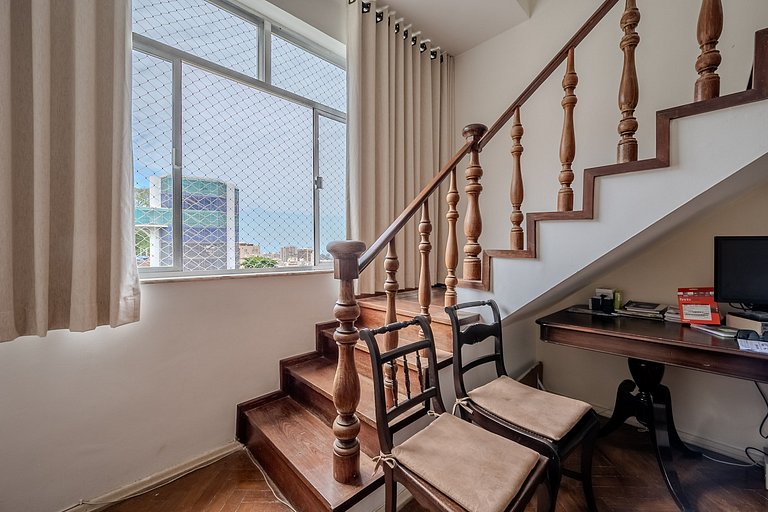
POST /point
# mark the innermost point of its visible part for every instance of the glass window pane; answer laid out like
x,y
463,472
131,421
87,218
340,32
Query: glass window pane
x,y
333,196
200,28
247,184
152,147
301,72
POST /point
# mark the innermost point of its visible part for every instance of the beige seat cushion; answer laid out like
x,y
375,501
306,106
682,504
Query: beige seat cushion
x,y
546,414
479,470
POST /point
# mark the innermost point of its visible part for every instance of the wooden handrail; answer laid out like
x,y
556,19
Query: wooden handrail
x,y
550,68
394,228
390,233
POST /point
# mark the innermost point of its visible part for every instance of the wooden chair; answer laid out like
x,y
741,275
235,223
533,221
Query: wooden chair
x,y
451,465
553,425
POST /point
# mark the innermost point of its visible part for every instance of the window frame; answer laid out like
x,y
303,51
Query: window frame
x,y
262,82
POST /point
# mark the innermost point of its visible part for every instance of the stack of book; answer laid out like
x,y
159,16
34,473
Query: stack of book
x,y
672,314
637,309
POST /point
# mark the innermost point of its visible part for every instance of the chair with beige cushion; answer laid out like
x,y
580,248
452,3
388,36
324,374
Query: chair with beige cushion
x,y
451,464
553,425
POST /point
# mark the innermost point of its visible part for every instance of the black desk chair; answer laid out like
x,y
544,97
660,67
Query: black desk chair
x,y
553,425
451,465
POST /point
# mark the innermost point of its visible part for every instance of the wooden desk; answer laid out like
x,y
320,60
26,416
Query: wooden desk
x,y
649,345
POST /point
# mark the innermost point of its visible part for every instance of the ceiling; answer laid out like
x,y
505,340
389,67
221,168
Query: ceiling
x,y
458,25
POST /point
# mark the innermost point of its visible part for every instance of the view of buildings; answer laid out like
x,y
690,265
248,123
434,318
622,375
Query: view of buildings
x,y
211,228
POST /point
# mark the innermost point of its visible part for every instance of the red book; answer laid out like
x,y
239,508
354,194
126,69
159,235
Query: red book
x,y
698,306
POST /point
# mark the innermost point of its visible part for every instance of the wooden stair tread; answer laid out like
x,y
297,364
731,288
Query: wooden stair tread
x,y
444,358
319,374
408,305
305,442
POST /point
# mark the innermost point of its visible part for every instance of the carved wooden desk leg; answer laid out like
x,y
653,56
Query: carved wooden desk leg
x,y
652,406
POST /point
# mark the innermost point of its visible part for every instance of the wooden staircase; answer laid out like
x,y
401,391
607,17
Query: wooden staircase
x,y
306,434
290,431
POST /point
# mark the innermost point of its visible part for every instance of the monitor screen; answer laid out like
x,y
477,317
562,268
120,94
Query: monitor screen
x,y
741,270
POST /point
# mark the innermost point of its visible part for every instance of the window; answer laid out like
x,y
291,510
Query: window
x,y
239,140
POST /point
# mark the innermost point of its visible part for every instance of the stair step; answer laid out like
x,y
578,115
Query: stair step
x,y
373,314
295,448
311,384
327,346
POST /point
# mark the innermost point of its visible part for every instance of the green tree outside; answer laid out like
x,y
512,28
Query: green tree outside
x,y
258,262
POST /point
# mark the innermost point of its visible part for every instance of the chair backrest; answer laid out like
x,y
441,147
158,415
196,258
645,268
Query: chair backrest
x,y
472,334
390,404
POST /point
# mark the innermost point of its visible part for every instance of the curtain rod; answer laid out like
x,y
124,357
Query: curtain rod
x,y
423,44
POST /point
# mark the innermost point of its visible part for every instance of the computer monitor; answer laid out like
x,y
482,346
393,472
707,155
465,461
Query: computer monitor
x,y
741,271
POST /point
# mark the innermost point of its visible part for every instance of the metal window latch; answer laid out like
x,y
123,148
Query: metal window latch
x,y
319,183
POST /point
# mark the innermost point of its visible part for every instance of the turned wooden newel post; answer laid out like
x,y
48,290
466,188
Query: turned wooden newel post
x,y
629,92
473,223
346,384
452,244
516,188
708,32
568,137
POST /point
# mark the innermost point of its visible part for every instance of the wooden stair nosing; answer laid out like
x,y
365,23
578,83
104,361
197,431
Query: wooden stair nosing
x,y
294,445
664,118
311,384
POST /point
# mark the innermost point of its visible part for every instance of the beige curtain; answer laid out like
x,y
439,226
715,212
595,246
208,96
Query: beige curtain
x,y
400,125
66,206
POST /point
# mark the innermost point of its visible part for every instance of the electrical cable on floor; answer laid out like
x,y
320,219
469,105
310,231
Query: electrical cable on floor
x,y
727,463
748,448
157,486
275,492
759,431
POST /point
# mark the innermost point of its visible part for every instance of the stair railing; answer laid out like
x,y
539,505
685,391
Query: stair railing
x,y
351,257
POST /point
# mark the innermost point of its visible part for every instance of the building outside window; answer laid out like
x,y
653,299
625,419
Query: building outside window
x,y
239,135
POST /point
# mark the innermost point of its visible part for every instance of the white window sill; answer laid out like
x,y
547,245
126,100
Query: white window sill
x,y
180,277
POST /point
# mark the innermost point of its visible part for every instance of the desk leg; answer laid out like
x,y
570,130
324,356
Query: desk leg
x,y
657,413
624,408
662,396
652,406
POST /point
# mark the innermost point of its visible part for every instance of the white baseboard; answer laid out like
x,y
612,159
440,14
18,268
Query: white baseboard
x,y
156,480
734,452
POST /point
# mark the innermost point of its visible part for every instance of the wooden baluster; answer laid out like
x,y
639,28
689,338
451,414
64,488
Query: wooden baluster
x,y
393,372
568,138
391,265
708,32
419,372
473,223
407,376
425,247
346,384
516,189
452,244
629,92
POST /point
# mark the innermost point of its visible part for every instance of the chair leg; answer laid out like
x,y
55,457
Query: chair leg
x,y
390,492
544,499
554,476
587,448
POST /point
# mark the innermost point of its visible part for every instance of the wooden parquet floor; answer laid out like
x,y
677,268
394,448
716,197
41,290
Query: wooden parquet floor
x,y
625,474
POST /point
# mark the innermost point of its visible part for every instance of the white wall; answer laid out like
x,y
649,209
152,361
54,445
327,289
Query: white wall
x,y
82,414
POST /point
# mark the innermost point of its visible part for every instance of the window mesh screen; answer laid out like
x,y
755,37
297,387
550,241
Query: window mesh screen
x,y
247,193
152,152
299,71
202,29
248,162
333,196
